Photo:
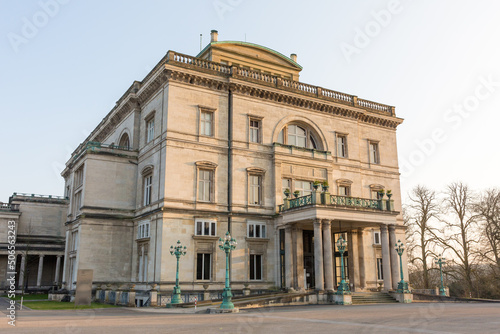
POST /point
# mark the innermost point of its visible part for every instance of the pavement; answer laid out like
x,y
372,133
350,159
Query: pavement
x,y
433,318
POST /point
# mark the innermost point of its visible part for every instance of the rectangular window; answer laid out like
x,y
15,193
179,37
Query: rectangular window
x,y
380,269
344,191
74,241
150,129
78,177
374,194
205,185
255,190
342,146
206,126
206,227
376,238
255,266
148,188
254,131
256,230
78,201
304,188
203,266
374,153
143,230
285,184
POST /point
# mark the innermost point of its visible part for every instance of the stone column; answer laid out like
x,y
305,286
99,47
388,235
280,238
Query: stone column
x,y
40,270
386,257
318,256
22,269
58,265
394,257
352,245
298,252
328,255
361,250
288,257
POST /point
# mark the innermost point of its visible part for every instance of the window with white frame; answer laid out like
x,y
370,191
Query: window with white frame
x,y
255,189
300,136
303,187
74,241
376,237
341,146
255,267
143,230
254,131
256,230
206,227
380,269
150,129
205,184
147,188
203,266
374,190
206,123
374,152
286,184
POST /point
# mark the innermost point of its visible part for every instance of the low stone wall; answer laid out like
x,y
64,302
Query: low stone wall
x,y
426,297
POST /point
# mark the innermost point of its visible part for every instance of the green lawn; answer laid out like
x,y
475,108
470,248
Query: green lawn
x,y
55,305
32,297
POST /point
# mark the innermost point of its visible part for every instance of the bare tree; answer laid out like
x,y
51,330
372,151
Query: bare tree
x,y
458,234
488,211
423,208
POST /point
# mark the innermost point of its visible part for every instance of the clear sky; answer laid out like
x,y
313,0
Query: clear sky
x,y
64,64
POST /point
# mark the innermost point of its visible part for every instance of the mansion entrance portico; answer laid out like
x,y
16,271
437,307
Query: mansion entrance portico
x,y
309,257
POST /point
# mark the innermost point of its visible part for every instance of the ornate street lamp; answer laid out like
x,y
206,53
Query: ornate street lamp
x,y
402,285
441,260
343,288
227,245
177,251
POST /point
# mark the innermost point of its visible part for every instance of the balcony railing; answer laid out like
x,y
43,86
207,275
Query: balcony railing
x,y
324,198
9,207
39,196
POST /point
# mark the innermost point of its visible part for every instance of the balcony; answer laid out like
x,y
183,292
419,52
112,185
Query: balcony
x,y
324,198
9,207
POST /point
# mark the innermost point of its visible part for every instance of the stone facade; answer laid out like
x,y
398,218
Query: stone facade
x,y
37,221
207,144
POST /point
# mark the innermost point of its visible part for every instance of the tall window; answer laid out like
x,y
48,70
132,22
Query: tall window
x,y
203,266
148,188
78,177
342,146
285,184
205,185
255,267
344,190
256,230
150,129
299,136
142,264
376,238
125,142
304,187
380,269
254,131
74,241
206,127
78,201
206,227
374,153
255,194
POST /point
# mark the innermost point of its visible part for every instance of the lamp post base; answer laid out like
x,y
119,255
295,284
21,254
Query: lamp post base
x,y
176,296
227,304
403,287
343,288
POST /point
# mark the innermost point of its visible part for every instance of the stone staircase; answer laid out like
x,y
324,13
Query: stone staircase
x,y
361,298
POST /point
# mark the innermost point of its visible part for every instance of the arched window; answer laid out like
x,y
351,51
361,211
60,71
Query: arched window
x,y
300,136
124,141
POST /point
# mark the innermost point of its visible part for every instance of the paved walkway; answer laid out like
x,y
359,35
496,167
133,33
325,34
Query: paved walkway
x,y
431,318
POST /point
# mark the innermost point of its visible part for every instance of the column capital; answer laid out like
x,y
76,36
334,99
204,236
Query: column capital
x,y
41,255
392,227
317,222
327,226
383,228
354,232
361,229
59,256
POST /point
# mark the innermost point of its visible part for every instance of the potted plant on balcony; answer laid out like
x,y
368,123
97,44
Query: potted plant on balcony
x,y
316,184
325,185
381,194
287,192
389,194
296,193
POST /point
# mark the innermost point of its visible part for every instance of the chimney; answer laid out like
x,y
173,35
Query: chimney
x,y
293,56
213,36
